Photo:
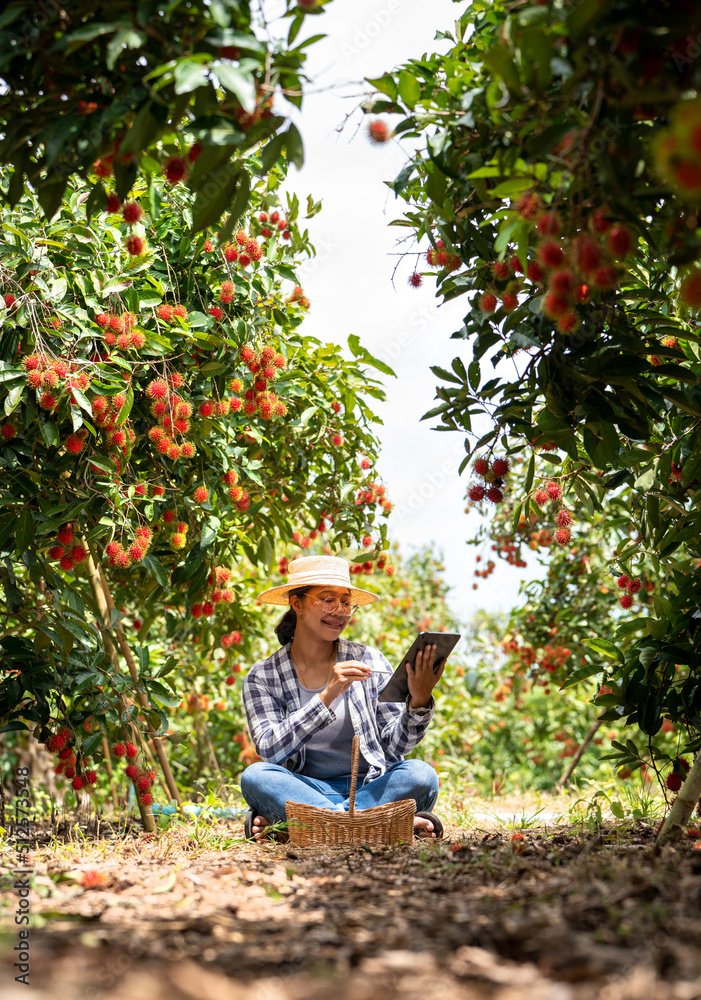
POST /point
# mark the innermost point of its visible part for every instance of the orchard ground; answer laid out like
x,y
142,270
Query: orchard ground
x,y
544,896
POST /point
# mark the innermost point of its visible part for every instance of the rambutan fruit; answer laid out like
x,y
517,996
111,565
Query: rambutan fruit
x,y
495,495
568,322
488,302
562,536
137,551
501,270
563,518
132,212
123,560
509,301
626,601
551,254
540,497
130,750
619,241
131,771
673,780
164,312
553,490
635,586
112,549
548,224
180,311
175,169
244,260
135,245
113,204
157,389
48,401
173,452
231,253
605,277
55,552
378,131
78,554
535,272
65,535
136,340
216,312
415,280
35,379
476,493
74,444
201,494
500,467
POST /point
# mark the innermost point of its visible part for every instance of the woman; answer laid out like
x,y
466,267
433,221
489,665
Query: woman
x,y
306,701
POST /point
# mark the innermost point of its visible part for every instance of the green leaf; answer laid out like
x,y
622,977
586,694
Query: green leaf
x,y
581,675
13,398
240,84
209,531
606,648
386,85
409,88
24,535
214,198
50,194
49,431
295,147
271,152
189,75
159,692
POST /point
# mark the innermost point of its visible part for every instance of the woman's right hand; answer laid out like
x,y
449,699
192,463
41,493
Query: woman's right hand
x,y
342,676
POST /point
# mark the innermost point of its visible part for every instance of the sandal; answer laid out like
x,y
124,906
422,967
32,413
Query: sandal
x,y
280,836
437,825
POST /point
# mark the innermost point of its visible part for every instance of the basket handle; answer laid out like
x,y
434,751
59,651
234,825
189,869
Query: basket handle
x,y
355,759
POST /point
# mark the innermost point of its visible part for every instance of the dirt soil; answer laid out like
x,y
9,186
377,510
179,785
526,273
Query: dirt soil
x,y
550,915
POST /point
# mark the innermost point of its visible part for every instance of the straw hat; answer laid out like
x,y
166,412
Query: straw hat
x,y
315,571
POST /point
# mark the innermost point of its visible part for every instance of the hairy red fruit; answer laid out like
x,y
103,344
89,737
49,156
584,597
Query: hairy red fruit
x,y
555,306
56,551
605,277
509,302
180,311
8,432
500,467
415,280
131,771
77,783
131,750
620,241
568,322
378,131
561,282
540,497
494,494
562,536
535,272
622,582
635,586
553,490
548,224
201,495
476,493
673,780
90,777
626,601
551,254
231,253
175,169
165,312
501,270
528,204
132,213
488,302
78,554
157,389
563,518
135,245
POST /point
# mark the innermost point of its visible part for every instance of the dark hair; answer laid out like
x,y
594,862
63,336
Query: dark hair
x,y
285,628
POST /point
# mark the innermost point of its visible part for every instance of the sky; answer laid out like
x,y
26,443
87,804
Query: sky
x,y
350,282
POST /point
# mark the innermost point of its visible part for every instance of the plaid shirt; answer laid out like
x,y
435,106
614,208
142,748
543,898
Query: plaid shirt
x,y
279,727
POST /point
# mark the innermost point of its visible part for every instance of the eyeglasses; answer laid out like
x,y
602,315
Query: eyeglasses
x,y
331,604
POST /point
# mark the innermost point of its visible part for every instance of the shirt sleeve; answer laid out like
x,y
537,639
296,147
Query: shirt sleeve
x,y
400,728
276,735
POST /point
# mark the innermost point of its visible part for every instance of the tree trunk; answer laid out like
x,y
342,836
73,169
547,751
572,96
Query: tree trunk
x,y
143,700
569,771
147,820
682,808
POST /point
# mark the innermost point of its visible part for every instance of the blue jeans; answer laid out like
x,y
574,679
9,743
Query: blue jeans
x,y
266,788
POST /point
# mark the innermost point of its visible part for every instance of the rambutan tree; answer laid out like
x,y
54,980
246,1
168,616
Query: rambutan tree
x,y
138,93
166,425
558,188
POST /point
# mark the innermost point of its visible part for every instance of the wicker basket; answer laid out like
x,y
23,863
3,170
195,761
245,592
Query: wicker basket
x,y
392,823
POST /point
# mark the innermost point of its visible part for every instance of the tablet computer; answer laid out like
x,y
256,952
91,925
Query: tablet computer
x,y
397,688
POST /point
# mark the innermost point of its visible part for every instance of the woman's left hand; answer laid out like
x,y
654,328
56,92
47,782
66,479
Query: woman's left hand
x,y
422,678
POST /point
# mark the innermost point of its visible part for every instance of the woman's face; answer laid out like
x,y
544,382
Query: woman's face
x,y
312,613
